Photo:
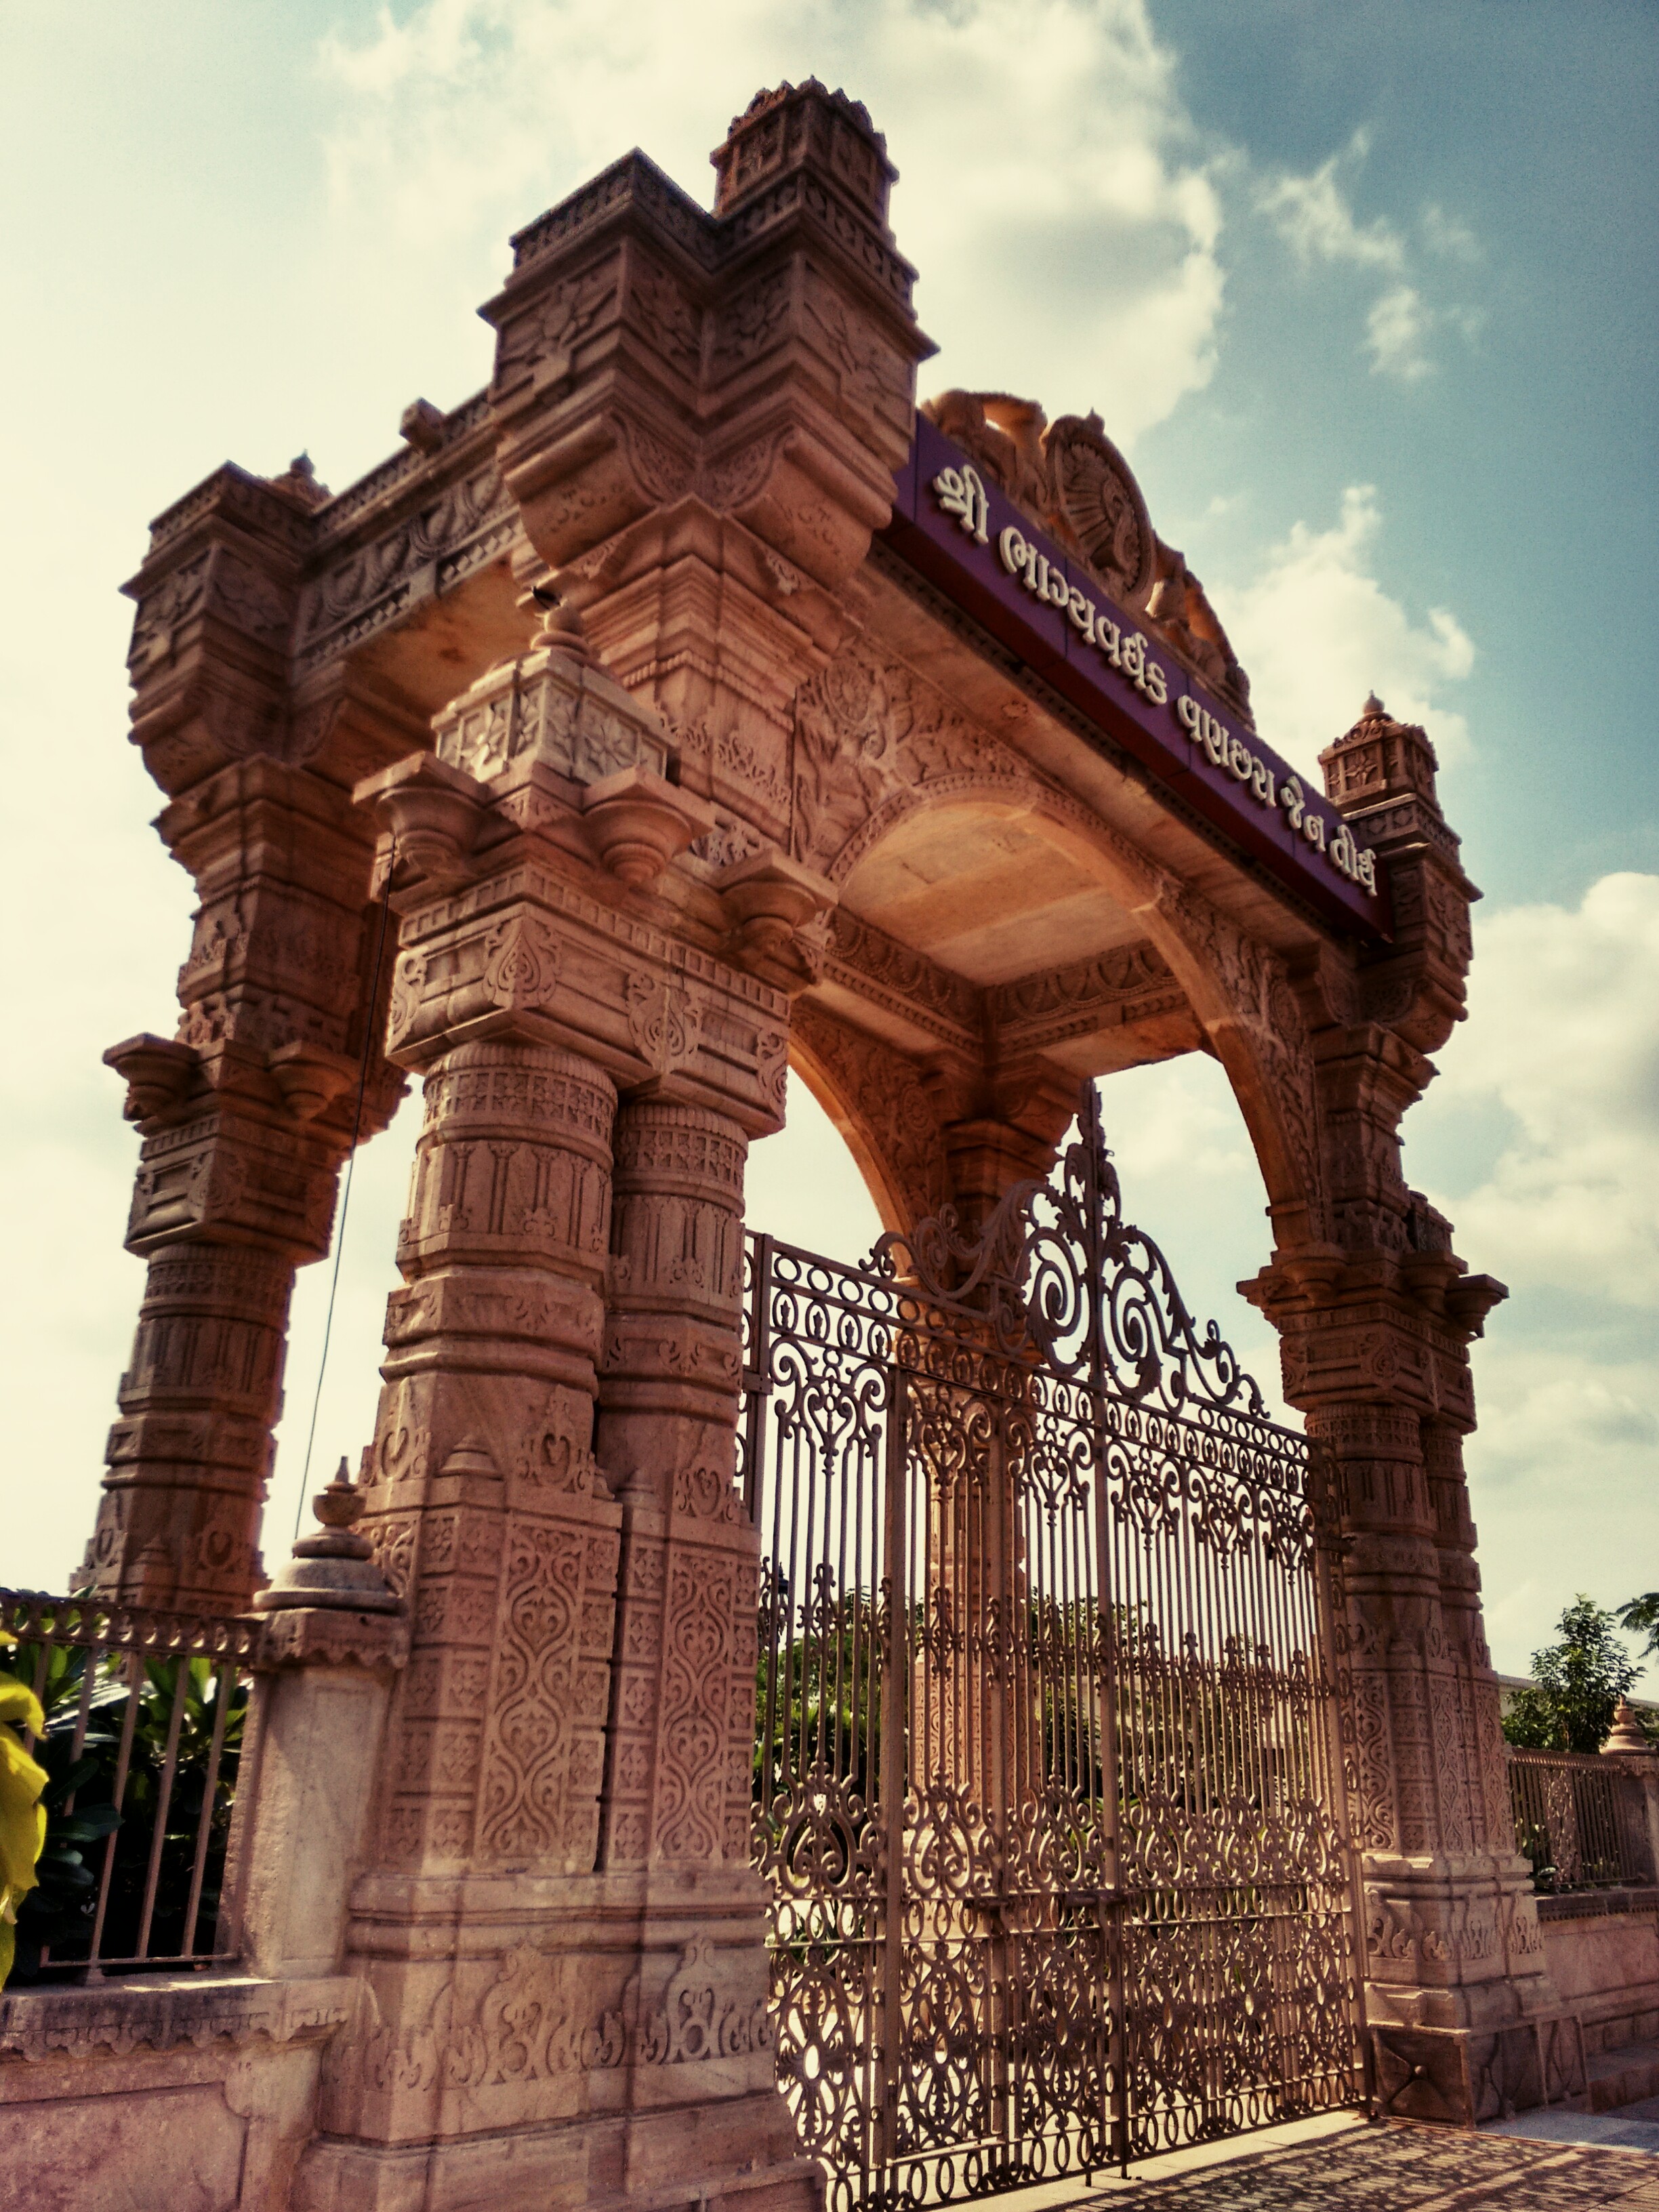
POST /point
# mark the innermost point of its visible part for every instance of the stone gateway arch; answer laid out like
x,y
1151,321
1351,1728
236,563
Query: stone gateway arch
x,y
687,705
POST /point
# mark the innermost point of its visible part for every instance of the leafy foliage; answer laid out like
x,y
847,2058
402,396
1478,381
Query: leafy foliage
x,y
1640,1617
85,1824
1577,1684
818,1699
22,1822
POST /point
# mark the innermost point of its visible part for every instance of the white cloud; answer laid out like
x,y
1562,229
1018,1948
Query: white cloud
x,y
1396,329
1563,1037
1066,230
1446,234
1544,1123
1561,1478
1313,215
1317,632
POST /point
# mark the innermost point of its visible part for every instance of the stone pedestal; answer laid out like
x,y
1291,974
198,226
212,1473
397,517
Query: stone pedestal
x,y
334,1639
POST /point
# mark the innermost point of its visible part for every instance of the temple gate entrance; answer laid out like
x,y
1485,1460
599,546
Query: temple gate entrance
x,y
1046,1785
688,706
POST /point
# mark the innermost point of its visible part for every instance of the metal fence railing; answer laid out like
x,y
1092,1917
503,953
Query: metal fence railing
x,y
1580,1821
144,1714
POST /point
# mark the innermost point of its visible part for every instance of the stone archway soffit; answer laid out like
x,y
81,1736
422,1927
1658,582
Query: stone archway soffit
x,y
1239,989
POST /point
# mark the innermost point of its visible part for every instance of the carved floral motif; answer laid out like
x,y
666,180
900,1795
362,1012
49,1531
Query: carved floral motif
x,y
697,1638
664,1022
866,727
882,1093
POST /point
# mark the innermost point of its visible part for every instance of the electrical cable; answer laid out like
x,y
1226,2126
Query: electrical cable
x,y
345,1193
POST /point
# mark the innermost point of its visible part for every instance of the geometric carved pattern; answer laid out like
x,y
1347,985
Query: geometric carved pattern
x,y
542,1765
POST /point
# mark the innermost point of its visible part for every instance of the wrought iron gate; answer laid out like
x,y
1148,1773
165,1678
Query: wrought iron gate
x,y
1046,1780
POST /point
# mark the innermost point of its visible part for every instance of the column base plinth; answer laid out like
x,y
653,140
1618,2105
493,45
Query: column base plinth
x,y
1462,2077
735,2155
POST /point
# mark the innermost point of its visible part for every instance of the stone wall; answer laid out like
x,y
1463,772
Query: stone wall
x,y
195,2093
1602,1951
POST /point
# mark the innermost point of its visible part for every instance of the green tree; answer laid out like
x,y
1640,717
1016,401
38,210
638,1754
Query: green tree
x,y
1577,1683
1641,1618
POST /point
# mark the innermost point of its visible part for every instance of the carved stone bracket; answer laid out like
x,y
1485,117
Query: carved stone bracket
x,y
637,824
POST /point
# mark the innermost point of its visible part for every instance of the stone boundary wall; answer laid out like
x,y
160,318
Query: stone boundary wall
x,y
1603,1949
193,2092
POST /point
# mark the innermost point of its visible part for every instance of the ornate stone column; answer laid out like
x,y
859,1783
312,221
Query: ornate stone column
x,y
561,1928
1375,1321
682,1715
248,1111
246,1116
487,1504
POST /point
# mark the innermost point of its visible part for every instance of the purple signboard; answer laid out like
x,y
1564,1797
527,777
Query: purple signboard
x,y
968,540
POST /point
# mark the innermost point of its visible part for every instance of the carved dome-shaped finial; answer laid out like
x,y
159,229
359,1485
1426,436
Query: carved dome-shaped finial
x,y
1373,710
335,1570
341,1505
298,481
561,629
1628,1738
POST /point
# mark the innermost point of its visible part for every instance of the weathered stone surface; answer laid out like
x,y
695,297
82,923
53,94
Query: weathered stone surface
x,y
751,792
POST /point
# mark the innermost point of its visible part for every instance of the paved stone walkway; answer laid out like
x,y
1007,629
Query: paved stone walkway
x,y
1630,2127
1394,2168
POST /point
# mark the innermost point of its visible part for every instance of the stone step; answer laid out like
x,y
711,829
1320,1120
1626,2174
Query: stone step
x,y
1621,2077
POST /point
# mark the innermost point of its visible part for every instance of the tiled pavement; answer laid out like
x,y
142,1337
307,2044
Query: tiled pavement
x,y
1349,2166
1630,2127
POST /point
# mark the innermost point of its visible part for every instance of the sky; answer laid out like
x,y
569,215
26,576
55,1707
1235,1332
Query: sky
x,y
1367,295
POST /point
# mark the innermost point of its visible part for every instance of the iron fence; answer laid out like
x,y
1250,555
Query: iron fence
x,y
1046,1790
1580,1820
143,1714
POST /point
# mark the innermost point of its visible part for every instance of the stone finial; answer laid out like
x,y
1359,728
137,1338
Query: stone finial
x,y
795,126
298,482
1627,1738
334,1571
561,630
553,705
1379,758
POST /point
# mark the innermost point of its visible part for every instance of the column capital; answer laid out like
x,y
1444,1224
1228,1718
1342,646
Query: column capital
x,y
538,867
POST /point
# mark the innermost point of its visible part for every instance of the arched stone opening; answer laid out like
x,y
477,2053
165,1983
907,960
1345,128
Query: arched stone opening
x,y
995,945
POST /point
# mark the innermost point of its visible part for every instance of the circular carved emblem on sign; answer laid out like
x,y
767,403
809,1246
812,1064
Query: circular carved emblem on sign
x,y
1101,500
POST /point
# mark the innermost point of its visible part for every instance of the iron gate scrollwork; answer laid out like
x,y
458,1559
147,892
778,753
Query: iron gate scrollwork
x,y
1046,1786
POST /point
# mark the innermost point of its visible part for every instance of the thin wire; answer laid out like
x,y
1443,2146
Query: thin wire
x,y
345,1194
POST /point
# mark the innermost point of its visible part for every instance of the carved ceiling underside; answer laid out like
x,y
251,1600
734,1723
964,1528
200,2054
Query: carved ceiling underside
x,y
1121,1006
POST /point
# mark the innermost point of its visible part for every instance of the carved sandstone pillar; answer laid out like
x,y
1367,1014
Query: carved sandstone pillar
x,y
487,1505
1452,1944
248,1113
683,1701
489,1515
565,1958
1375,1324
246,1116
1375,1332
